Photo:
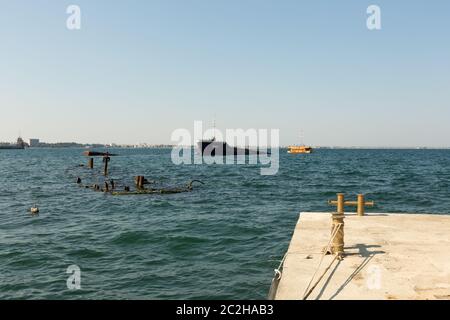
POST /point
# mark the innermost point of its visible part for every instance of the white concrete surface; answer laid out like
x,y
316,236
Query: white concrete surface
x,y
388,256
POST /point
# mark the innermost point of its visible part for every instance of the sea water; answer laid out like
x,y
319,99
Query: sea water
x,y
220,241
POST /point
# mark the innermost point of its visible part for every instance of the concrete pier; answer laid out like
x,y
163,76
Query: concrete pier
x,y
387,256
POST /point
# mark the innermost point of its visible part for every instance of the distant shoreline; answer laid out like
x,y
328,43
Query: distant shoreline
x,y
281,147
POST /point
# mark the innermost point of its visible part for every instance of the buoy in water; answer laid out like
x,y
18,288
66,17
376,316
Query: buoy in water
x,y
34,210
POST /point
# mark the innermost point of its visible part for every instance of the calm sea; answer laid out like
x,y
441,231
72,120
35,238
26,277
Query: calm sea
x,y
221,241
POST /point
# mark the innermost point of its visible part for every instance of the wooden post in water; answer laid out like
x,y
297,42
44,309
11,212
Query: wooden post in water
x,y
106,160
91,163
140,182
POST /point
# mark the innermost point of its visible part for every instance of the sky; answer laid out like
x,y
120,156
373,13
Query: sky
x,y
138,70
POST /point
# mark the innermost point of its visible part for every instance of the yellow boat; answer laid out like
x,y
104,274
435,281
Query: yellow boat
x,y
299,149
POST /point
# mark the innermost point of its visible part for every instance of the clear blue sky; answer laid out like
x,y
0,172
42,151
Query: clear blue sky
x,y
137,70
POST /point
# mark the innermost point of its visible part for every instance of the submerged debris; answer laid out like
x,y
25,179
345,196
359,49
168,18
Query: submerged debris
x,y
98,154
110,186
186,188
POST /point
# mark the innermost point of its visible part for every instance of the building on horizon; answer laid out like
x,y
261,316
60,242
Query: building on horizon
x,y
34,143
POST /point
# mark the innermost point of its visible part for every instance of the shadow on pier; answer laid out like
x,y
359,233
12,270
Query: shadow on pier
x,y
362,251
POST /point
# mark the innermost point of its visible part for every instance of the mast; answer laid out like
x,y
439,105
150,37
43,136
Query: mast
x,y
214,127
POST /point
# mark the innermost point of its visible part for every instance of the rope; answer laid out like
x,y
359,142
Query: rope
x,y
334,232
276,278
327,248
320,278
278,270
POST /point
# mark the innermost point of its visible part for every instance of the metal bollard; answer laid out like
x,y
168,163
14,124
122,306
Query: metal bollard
x,y
337,226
